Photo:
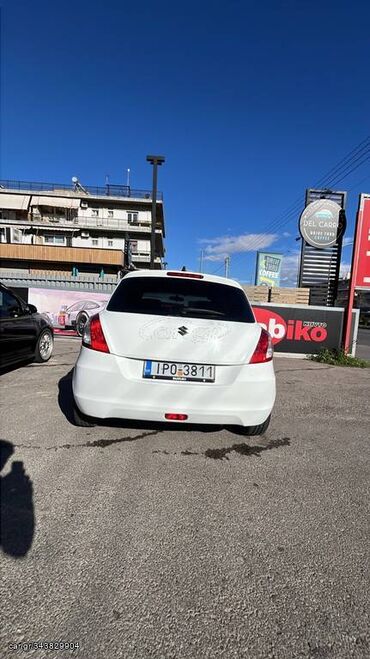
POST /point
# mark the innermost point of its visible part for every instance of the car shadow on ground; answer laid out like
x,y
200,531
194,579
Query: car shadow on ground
x,y
14,367
65,401
16,510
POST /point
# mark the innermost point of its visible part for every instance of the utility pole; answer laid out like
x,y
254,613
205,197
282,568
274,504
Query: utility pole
x,y
155,161
201,260
227,265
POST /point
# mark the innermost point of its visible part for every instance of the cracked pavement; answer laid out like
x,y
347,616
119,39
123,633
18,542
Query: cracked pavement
x,y
143,540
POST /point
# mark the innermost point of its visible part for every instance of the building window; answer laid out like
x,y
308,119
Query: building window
x,y
95,212
110,213
95,242
133,217
17,236
110,243
54,240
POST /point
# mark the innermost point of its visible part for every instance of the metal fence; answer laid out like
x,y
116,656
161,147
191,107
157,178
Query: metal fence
x,y
97,191
58,280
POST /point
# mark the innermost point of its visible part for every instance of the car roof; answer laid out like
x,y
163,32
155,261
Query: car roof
x,y
6,288
185,274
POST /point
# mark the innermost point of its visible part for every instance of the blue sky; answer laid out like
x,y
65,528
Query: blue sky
x,y
250,102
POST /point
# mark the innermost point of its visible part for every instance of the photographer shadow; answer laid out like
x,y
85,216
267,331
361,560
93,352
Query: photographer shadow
x,y
16,510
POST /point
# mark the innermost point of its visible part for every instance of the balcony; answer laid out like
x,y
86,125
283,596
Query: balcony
x,y
51,254
73,227
142,257
83,222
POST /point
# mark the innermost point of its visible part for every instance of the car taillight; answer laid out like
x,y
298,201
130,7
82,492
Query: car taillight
x,y
93,335
264,350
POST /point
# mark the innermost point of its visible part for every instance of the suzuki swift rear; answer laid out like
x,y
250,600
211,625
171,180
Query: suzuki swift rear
x,y
176,346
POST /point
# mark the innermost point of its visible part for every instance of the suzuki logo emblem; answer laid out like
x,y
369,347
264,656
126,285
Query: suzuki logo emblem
x,y
182,330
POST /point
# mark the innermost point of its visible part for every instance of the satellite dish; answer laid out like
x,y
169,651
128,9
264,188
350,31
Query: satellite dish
x,y
74,179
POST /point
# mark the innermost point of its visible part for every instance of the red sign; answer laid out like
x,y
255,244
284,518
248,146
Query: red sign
x,y
298,329
360,270
361,266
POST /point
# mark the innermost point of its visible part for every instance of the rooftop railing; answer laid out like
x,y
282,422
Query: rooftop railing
x,y
107,190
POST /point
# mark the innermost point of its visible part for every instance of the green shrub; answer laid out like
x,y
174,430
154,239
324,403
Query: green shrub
x,y
338,358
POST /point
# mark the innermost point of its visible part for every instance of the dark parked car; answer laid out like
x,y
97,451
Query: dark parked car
x,y
25,335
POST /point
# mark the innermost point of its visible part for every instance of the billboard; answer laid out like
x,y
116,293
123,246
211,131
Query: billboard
x,y
361,267
322,225
268,269
65,308
303,329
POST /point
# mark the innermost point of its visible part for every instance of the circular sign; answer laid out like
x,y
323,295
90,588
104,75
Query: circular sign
x,y
322,223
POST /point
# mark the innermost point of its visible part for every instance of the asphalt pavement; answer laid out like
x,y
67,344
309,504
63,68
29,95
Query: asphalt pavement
x,y
139,540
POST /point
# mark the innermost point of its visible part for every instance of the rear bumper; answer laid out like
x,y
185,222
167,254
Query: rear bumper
x,y
107,386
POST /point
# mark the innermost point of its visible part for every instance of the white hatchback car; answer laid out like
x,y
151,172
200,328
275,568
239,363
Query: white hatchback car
x,y
176,346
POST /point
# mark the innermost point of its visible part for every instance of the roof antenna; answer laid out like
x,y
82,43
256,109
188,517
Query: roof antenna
x,y
183,269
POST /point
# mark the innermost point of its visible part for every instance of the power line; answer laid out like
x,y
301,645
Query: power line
x,y
217,269
359,183
293,209
360,154
343,175
361,146
328,179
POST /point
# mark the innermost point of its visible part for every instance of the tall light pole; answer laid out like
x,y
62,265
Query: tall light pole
x,y
201,260
227,266
155,161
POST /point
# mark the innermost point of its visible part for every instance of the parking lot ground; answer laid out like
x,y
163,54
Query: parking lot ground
x,y
145,541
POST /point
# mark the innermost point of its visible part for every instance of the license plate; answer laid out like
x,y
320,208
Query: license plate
x,y
176,371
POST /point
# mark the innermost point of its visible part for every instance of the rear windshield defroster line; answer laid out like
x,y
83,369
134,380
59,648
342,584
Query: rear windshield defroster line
x,y
183,298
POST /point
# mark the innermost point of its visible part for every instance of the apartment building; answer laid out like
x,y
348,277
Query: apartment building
x,y
76,230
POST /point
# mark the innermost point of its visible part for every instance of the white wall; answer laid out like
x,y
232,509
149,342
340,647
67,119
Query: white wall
x,y
27,239
143,246
118,243
118,214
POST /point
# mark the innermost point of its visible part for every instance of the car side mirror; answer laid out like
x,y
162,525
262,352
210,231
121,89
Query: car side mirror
x,y
15,311
30,308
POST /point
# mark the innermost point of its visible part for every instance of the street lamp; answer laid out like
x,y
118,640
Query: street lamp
x,y
155,161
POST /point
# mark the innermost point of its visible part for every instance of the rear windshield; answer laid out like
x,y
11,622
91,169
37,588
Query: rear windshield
x,y
188,298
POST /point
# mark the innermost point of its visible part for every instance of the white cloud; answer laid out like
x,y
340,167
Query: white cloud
x,y
347,241
345,268
289,269
217,248
286,234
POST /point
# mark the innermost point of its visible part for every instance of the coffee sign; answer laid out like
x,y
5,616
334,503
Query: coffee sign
x,y
322,223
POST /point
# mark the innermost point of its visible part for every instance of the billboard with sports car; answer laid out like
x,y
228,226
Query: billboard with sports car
x,y
67,310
